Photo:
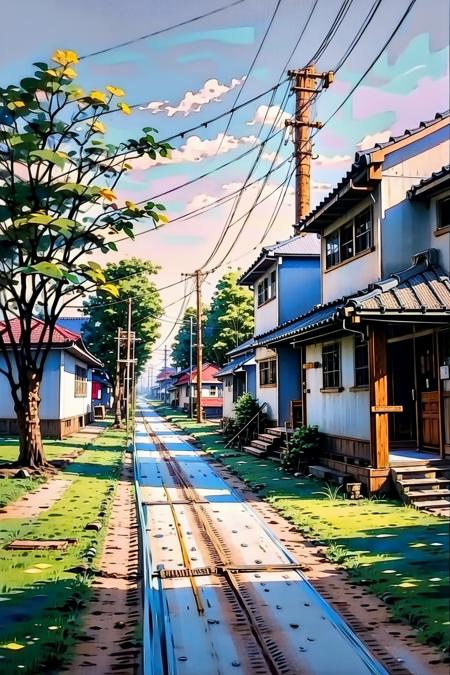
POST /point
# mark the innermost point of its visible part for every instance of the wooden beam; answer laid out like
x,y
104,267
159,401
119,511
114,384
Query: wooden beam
x,y
379,421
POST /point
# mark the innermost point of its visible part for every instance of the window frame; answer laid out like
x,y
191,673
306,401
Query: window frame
x,y
334,244
440,225
81,380
331,350
267,370
360,346
267,288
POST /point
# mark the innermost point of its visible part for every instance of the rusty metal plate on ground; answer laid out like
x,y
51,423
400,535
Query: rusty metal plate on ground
x,y
39,544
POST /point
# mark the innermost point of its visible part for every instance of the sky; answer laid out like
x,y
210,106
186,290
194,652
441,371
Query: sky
x,y
188,75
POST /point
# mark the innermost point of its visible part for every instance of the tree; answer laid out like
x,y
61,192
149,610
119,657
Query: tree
x,y
57,205
230,318
132,277
181,344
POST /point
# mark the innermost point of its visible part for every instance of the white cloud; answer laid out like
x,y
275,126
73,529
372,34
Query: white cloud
x,y
270,157
333,160
192,101
196,150
370,140
316,185
267,115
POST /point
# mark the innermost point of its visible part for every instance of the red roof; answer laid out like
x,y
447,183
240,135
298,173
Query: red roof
x,y
212,402
208,373
60,335
165,374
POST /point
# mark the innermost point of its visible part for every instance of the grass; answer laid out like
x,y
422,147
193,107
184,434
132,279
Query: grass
x,y
401,554
13,488
43,592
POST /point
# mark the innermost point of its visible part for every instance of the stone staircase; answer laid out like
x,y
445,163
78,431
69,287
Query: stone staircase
x,y
267,444
424,484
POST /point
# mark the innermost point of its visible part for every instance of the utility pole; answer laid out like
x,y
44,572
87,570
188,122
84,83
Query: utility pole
x,y
305,90
165,374
190,367
128,369
198,281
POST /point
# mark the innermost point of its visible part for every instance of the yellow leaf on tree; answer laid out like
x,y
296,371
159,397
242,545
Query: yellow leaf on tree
x,y
53,73
98,96
98,126
115,91
14,646
110,288
132,206
70,73
65,57
108,194
18,104
127,165
125,108
162,218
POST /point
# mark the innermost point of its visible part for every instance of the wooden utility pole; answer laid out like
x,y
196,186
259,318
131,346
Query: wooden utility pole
x,y
165,374
190,367
128,364
198,282
305,90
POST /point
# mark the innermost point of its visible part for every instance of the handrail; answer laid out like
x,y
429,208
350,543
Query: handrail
x,y
152,631
260,409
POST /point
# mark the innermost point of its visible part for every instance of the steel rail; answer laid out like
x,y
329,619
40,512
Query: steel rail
x,y
191,497
208,530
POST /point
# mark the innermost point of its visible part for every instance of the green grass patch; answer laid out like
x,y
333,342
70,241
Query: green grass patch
x,y
40,598
401,554
13,488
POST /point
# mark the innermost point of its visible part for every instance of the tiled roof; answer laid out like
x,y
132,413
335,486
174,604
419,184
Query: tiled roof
x,y
297,246
421,290
243,347
230,367
165,374
438,178
358,171
212,402
60,335
209,372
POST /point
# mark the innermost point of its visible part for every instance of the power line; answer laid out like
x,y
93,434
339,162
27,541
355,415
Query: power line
x,y
162,30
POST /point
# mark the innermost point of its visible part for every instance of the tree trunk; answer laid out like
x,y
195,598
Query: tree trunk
x,y
31,450
116,404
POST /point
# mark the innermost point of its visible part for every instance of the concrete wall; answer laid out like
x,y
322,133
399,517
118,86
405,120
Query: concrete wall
x,y
342,414
289,378
71,405
411,222
299,286
355,274
267,395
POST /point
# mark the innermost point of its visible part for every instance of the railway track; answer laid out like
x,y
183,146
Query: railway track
x,y
254,615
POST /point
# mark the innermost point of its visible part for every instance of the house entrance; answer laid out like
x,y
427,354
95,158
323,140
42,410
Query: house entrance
x,y
413,384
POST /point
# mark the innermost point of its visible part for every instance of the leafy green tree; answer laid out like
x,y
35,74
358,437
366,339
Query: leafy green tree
x,y
181,344
230,318
58,177
132,277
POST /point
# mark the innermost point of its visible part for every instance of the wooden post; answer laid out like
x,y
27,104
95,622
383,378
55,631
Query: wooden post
x,y
199,346
379,421
305,89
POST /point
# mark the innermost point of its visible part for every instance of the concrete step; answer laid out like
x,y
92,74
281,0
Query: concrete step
x,y
419,472
255,451
263,445
274,431
419,495
434,504
269,438
415,482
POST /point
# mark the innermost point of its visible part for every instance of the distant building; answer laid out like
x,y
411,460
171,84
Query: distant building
x,y
66,389
163,383
183,387
238,376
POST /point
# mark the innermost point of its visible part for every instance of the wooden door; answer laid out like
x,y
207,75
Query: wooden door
x,y
428,392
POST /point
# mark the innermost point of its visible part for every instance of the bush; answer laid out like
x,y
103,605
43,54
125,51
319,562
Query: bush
x,y
245,409
302,448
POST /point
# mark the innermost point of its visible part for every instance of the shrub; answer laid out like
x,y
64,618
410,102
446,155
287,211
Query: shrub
x,y
245,410
302,448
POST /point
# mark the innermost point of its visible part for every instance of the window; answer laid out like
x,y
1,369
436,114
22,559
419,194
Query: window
x,y
80,381
443,213
361,363
213,390
268,373
267,288
350,239
331,366
187,390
